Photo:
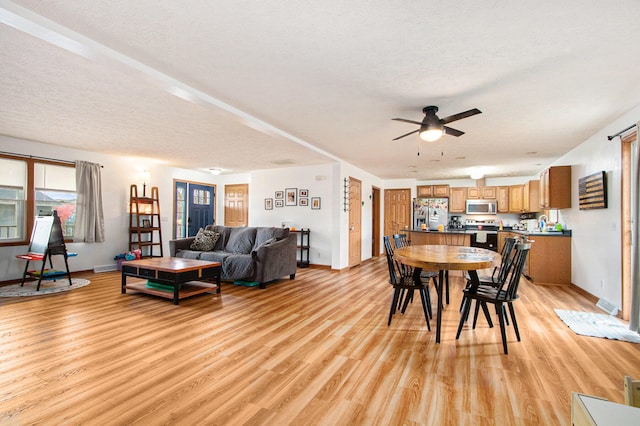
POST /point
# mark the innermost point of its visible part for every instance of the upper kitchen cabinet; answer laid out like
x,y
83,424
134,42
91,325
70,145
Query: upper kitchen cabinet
x,y
457,200
515,198
482,193
524,198
555,188
531,196
433,191
502,195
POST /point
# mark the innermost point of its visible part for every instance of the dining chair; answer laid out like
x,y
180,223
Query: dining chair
x,y
400,240
499,295
452,238
499,274
402,281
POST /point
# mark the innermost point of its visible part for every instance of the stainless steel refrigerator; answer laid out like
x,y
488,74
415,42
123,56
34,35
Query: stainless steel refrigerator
x,y
431,212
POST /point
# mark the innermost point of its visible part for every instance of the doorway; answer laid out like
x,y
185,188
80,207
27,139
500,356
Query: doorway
x,y
193,207
236,205
355,222
626,227
397,211
375,221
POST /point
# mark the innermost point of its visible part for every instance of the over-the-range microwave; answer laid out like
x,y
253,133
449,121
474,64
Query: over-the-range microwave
x,y
482,207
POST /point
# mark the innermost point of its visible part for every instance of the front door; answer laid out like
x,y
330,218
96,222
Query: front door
x,y
236,201
397,211
355,222
200,208
194,207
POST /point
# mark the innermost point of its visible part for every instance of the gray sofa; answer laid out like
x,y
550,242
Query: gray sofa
x,y
254,254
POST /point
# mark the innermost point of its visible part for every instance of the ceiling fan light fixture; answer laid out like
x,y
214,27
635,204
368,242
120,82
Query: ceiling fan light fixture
x,y
431,133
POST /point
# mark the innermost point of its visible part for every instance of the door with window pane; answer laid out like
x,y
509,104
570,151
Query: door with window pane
x,y
194,208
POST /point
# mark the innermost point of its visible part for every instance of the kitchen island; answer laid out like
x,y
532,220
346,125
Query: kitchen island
x,y
549,261
421,238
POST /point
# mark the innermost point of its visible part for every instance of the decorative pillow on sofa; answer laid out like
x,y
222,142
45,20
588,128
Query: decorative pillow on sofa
x,y
241,240
205,240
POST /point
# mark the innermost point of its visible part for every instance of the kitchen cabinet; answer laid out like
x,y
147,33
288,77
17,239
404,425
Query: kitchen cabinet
x,y
457,200
432,191
482,193
515,198
531,197
524,198
550,260
555,188
502,196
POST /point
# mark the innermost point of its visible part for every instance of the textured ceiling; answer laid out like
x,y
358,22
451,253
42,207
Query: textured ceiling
x,y
247,85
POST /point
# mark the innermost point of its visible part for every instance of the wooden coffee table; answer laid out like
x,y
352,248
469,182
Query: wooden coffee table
x,y
185,275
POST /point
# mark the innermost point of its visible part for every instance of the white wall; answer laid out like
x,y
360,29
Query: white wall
x,y
118,174
596,239
318,181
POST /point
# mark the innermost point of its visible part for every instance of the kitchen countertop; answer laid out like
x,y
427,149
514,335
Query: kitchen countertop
x,y
454,231
564,233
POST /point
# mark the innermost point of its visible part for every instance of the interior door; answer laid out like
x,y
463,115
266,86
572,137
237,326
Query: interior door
x,y
397,211
355,222
200,213
236,205
375,221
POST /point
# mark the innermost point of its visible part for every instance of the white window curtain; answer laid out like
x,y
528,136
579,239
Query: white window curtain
x,y
634,317
89,216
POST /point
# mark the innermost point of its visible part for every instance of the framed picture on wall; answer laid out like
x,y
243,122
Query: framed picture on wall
x,y
303,193
279,203
268,203
315,203
279,195
304,201
291,197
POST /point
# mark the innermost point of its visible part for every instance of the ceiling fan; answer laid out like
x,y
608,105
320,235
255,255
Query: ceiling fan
x,y
432,127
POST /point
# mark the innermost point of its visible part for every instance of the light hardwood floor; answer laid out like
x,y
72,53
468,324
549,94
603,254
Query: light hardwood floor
x,y
315,350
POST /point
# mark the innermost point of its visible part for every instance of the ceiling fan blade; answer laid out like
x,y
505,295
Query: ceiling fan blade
x,y
460,116
410,133
452,132
407,121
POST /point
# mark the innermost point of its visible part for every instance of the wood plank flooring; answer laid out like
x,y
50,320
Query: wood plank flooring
x,y
315,350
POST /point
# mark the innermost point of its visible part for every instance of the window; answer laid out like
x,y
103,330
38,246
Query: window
x,y
29,188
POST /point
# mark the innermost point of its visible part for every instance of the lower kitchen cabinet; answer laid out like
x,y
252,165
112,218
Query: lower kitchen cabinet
x,y
549,260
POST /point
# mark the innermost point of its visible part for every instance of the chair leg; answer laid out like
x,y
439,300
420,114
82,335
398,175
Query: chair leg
x,y
513,319
407,299
503,332
487,315
394,303
423,298
464,315
447,286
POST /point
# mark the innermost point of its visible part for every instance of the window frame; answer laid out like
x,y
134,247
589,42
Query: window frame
x,y
30,191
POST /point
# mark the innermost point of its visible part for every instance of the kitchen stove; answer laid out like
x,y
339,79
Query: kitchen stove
x,y
480,225
483,233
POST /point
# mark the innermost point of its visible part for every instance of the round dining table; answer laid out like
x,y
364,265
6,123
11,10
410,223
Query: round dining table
x,y
446,258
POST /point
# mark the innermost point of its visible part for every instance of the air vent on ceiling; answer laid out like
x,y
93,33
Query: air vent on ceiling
x,y
284,162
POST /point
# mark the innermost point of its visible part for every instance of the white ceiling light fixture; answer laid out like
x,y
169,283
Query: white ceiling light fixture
x,y
215,172
476,174
431,132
